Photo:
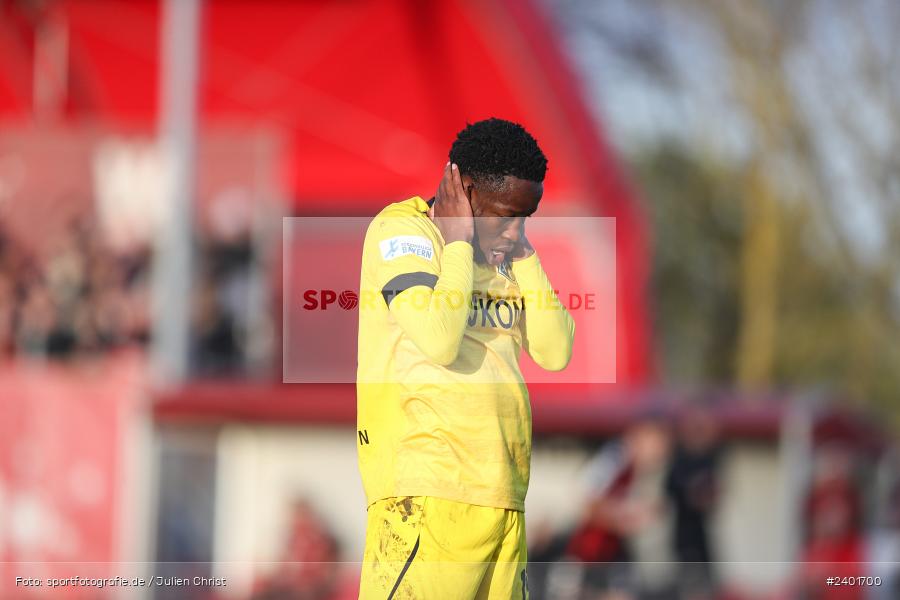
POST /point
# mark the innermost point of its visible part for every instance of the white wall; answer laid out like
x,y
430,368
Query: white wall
x,y
752,535
261,471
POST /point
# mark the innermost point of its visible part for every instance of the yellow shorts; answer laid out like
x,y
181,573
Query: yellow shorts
x,y
427,548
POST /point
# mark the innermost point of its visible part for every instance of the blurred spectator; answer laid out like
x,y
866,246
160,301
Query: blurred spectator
x,y
216,348
834,533
693,488
221,304
624,536
644,516
308,569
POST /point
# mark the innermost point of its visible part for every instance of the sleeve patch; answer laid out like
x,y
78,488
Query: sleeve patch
x,y
404,245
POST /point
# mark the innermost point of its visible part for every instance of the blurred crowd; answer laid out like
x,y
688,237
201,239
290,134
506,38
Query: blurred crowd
x,y
73,296
78,296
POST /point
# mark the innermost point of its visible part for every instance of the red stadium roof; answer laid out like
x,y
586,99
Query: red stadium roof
x,y
367,94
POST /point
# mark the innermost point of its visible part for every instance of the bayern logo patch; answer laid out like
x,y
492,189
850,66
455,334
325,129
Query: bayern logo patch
x,y
404,245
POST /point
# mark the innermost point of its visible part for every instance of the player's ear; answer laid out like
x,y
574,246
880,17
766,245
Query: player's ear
x,y
468,186
471,194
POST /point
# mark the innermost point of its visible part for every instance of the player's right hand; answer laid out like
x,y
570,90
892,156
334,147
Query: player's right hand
x,y
452,209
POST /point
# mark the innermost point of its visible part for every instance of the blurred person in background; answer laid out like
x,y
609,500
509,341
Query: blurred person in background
x,y
36,320
626,528
834,526
308,569
216,347
221,300
692,485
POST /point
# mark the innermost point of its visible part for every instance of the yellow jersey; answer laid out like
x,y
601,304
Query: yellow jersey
x,y
442,408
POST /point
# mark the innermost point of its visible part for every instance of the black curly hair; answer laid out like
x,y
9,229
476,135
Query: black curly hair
x,y
490,150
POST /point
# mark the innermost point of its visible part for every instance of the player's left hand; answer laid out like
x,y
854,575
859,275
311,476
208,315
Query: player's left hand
x,y
522,250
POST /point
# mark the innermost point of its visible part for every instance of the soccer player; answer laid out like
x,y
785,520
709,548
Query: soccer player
x,y
443,412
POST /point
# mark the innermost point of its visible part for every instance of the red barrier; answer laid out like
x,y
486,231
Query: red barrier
x,y
64,455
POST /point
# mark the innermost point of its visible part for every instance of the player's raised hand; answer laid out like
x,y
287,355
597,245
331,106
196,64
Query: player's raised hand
x,y
452,209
